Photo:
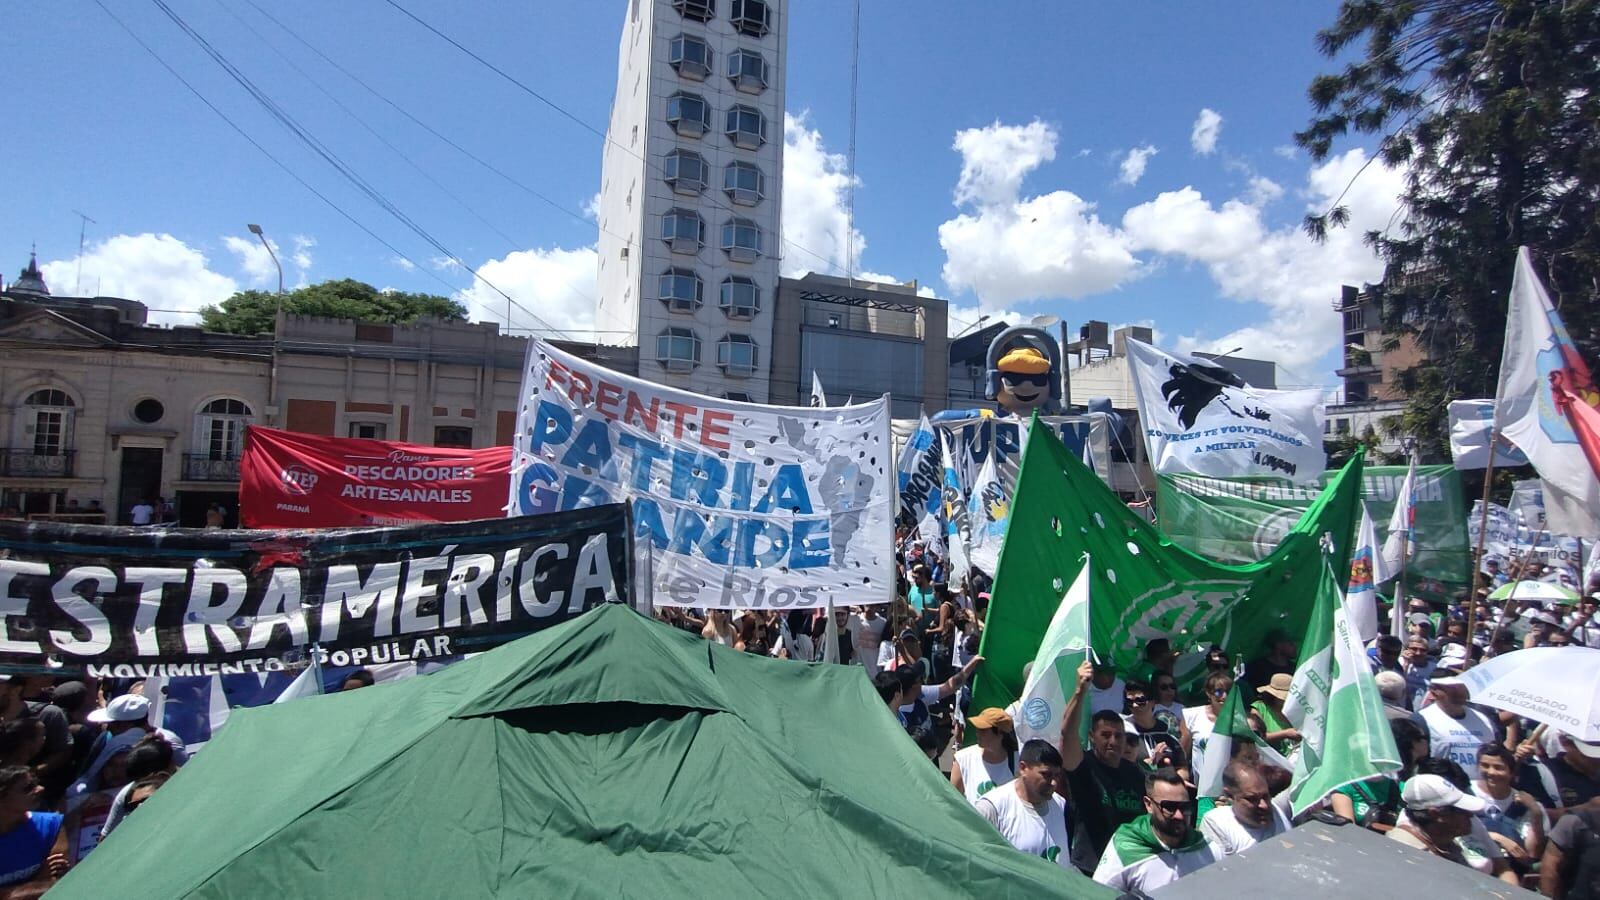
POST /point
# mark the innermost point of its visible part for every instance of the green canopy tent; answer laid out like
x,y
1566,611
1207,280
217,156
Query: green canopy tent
x,y
608,756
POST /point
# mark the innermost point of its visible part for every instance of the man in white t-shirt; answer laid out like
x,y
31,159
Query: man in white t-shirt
x,y
1455,730
1249,817
866,633
1028,812
141,513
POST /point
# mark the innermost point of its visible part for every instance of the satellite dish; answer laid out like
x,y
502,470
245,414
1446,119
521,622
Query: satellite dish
x,y
1045,321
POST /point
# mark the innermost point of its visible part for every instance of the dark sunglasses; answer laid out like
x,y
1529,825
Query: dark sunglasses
x,y
1138,700
1041,380
1218,693
1172,807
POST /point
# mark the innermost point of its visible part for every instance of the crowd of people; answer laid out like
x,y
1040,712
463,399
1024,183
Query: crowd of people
x,y
1118,800
1114,797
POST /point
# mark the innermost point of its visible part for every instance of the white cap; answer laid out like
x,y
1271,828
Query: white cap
x,y
1433,792
1587,748
127,708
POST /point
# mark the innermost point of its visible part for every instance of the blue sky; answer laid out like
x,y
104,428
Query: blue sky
x,y
1017,158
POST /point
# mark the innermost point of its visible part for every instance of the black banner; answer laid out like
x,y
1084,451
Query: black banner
x,y
135,602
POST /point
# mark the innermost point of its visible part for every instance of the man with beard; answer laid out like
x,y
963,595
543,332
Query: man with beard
x,y
1160,846
1249,816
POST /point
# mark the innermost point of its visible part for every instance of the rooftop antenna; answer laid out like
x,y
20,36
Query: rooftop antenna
x,y
850,153
83,228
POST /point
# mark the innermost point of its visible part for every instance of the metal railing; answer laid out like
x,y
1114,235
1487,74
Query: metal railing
x,y
25,462
202,467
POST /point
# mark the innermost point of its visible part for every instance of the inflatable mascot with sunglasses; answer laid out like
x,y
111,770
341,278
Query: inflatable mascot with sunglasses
x,y
1025,372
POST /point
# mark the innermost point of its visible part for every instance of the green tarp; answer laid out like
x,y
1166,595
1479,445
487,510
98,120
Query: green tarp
x,y
1241,519
1142,585
609,756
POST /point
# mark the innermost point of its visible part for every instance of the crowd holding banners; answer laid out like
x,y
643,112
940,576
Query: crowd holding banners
x,y
293,480
743,506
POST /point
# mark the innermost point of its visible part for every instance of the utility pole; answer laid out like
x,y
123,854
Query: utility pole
x,y
83,228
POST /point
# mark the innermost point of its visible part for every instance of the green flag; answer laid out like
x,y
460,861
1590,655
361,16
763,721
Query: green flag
x,y
1241,519
1333,702
1141,585
1212,753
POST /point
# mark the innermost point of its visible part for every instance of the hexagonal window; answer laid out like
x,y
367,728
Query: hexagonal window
x,y
691,56
683,230
751,17
746,127
740,297
688,114
741,240
681,290
698,10
678,349
748,70
685,171
744,183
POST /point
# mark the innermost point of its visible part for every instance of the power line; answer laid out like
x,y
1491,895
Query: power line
x,y
832,266
256,144
322,150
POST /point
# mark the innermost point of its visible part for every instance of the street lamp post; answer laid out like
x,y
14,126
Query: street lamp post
x,y
256,230
272,380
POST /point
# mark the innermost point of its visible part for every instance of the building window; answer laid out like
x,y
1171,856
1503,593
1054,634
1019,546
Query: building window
x,y
688,114
686,172
690,56
683,230
738,397
678,349
681,290
148,411
371,431
746,127
835,320
456,436
220,428
698,10
737,354
741,298
741,239
49,413
744,183
751,17
748,71
1341,426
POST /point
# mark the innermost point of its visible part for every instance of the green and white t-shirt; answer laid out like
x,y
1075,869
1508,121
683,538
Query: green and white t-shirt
x,y
978,776
1020,823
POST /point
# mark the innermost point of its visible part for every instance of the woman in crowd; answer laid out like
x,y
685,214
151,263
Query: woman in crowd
x,y
991,761
1165,704
717,628
1269,706
754,636
1201,720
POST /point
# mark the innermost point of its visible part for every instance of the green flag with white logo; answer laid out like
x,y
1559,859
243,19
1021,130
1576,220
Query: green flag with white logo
x,y
1141,585
1334,703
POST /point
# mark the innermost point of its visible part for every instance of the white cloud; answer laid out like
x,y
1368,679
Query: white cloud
x,y
1287,151
257,266
591,208
815,220
166,274
1134,163
1008,248
1207,126
1262,190
557,285
405,265
1292,276
1085,151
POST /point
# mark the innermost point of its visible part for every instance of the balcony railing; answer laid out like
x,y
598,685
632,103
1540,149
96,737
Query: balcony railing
x,y
202,467
24,462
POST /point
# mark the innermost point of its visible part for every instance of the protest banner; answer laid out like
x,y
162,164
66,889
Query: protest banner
x,y
743,506
1515,535
1238,520
293,480
1199,418
1142,585
136,602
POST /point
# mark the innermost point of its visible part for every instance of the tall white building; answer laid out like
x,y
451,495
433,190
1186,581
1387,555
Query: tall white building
x,y
690,192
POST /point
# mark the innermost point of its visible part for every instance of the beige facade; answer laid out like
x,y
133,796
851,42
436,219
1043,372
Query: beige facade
x,y
99,410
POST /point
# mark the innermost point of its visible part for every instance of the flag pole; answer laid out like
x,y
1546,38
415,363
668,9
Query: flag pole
x,y
1479,579
1512,595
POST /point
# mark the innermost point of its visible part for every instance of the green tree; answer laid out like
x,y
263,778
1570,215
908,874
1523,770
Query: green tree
x,y
1491,106
252,312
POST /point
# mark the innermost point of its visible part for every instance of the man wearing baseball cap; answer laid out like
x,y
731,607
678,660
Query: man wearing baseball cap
x,y
1437,813
1455,730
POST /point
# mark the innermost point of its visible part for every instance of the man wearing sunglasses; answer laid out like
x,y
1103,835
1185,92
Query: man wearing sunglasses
x,y
1160,846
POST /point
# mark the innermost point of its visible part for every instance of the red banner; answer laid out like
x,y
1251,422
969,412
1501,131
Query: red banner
x,y
293,480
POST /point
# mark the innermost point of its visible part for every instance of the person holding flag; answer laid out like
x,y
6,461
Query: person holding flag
x,y
1105,789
